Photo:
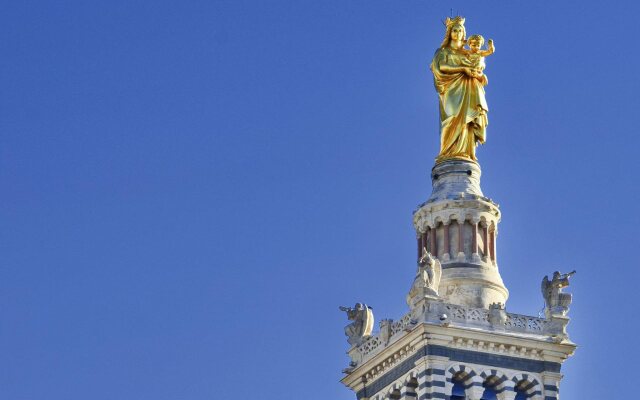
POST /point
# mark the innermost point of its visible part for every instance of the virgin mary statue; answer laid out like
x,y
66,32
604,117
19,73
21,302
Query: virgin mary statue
x,y
460,86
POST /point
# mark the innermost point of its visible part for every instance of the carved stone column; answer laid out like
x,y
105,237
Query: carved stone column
x,y
447,249
495,239
434,243
425,244
474,237
425,240
485,231
474,240
492,247
461,254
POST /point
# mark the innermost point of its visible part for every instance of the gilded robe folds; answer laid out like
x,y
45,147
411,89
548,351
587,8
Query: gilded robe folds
x,y
463,107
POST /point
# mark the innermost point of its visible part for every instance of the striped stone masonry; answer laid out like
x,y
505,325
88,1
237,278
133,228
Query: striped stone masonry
x,y
459,341
427,361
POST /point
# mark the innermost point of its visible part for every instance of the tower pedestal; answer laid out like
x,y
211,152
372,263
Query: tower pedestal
x,y
458,225
460,342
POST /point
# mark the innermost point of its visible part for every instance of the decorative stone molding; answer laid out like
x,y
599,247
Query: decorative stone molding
x,y
372,344
429,217
496,348
369,345
527,324
389,362
439,313
470,316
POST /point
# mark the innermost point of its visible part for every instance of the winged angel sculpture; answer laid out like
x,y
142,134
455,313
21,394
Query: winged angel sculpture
x,y
556,302
362,325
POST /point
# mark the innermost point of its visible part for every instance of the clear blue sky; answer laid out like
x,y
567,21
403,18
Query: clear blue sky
x,y
189,189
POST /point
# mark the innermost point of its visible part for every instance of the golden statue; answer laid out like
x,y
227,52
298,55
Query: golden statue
x,y
458,74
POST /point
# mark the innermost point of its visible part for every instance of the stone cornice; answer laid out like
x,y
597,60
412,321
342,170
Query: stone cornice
x,y
461,339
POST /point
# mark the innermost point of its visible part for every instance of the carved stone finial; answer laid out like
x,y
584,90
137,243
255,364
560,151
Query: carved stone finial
x,y
362,325
497,315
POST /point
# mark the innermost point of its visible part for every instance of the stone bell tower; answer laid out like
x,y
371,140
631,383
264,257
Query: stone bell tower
x,y
457,340
459,226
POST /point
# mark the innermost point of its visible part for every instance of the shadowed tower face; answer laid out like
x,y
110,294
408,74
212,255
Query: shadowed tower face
x,y
457,339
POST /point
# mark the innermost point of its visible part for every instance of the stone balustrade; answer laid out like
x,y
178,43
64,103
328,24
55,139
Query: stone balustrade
x,y
455,316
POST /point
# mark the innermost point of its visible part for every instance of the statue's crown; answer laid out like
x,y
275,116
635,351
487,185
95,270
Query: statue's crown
x,y
453,21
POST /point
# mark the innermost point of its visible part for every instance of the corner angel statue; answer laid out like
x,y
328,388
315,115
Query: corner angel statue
x,y
362,325
556,302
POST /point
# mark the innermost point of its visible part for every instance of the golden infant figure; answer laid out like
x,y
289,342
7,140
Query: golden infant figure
x,y
475,54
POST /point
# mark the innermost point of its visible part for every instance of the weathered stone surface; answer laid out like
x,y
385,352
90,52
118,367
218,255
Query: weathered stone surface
x,y
460,225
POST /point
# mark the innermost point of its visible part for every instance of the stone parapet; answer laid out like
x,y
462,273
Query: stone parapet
x,y
427,358
452,315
